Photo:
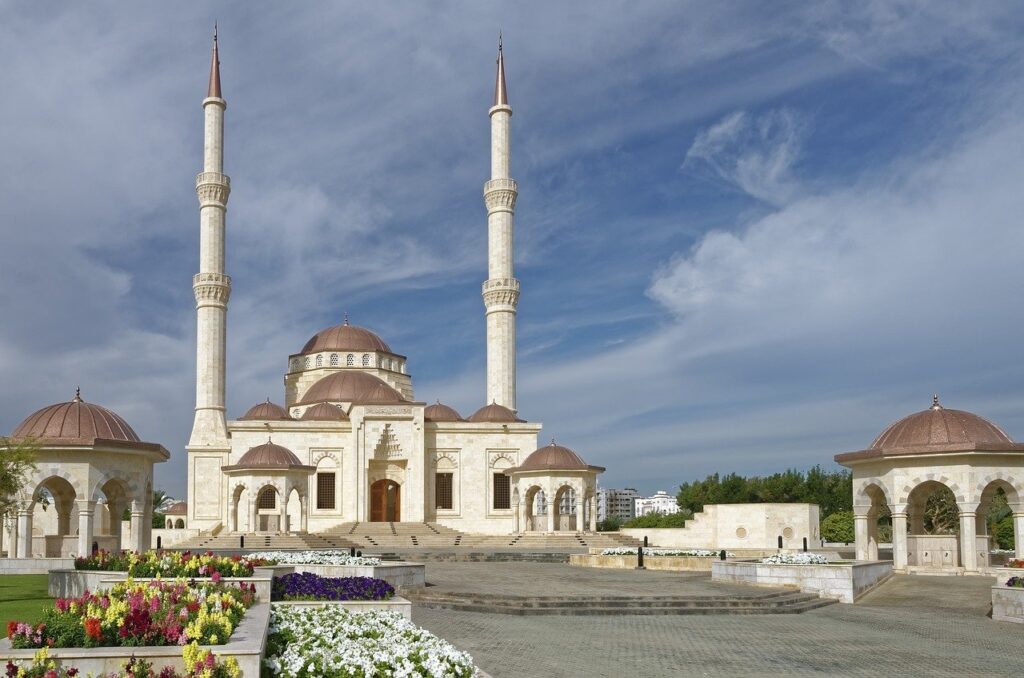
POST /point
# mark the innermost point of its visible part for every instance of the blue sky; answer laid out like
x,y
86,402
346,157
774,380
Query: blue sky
x,y
748,239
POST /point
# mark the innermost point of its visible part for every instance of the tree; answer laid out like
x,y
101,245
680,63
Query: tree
x,y
17,461
838,527
832,491
660,519
609,524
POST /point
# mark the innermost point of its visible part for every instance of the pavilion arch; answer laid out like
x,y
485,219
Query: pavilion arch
x,y
240,511
532,519
1014,490
914,484
568,494
871,490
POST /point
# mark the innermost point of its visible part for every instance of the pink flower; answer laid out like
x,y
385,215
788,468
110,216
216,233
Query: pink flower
x,y
215,577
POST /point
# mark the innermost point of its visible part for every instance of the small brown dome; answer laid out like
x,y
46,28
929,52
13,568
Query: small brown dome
x,y
495,413
352,387
345,337
554,458
324,412
179,508
267,455
75,422
441,412
939,427
267,411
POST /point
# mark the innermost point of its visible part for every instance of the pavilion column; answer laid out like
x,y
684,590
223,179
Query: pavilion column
x,y
1018,534
581,525
593,513
86,509
24,548
899,541
304,507
551,506
860,536
515,511
138,515
282,525
12,532
968,541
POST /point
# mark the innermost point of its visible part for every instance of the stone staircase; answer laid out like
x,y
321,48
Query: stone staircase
x,y
784,602
267,542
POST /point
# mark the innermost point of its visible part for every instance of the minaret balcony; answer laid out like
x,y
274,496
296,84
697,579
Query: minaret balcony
x,y
213,188
501,293
500,194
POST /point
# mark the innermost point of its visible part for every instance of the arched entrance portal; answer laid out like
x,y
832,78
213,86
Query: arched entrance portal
x,y
385,502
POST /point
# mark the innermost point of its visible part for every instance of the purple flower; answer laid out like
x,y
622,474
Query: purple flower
x,y
309,586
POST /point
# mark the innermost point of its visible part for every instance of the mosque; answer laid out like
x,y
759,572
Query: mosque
x,y
351,443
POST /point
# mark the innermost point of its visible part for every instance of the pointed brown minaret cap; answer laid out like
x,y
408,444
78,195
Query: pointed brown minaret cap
x,y
214,90
500,91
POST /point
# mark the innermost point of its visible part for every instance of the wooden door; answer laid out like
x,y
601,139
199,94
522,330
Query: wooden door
x,y
385,502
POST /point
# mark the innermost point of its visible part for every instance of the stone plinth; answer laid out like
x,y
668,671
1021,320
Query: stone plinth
x,y
843,581
246,645
1008,604
33,565
677,563
394,604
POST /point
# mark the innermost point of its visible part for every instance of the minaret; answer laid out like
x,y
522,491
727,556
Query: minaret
x,y
211,286
501,290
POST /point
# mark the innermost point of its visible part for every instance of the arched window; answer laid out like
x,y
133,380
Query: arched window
x,y
306,363
366,360
267,499
334,360
179,524
350,360
319,361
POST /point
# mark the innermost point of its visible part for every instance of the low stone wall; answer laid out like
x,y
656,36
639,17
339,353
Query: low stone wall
x,y
74,583
1003,573
677,563
395,604
845,582
246,645
401,575
33,565
1007,604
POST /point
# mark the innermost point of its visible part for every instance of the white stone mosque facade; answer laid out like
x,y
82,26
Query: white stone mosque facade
x,y
350,442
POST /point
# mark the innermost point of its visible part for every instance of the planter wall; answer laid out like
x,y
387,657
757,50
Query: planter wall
x,y
74,583
1008,604
676,563
401,575
246,645
395,604
845,582
33,565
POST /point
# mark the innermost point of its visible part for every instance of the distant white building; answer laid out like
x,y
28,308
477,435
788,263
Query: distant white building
x,y
612,503
661,502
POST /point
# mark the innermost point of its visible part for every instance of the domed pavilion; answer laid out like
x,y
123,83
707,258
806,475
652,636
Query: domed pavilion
x,y
554,490
91,466
937,450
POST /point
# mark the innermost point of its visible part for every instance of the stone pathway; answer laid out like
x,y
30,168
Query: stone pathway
x,y
910,626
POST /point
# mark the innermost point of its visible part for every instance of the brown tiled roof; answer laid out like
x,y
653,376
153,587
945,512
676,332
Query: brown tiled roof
x,y
324,412
555,457
267,411
345,337
353,387
75,422
441,412
494,413
179,508
268,456
936,430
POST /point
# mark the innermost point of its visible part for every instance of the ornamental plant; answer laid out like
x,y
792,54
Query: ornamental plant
x,y
795,559
170,564
42,666
313,558
1015,582
309,586
140,614
331,642
691,553
1015,563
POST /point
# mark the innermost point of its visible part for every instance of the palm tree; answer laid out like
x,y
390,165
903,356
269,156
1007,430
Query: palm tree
x,y
162,501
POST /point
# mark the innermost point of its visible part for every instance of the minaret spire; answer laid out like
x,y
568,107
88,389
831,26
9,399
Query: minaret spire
x,y
214,88
501,290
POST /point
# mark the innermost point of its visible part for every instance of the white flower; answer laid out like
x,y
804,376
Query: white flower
x,y
795,559
689,553
314,558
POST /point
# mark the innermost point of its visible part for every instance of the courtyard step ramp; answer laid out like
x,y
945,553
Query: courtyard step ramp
x,y
772,603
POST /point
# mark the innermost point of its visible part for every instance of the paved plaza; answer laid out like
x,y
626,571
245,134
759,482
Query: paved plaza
x,y
910,626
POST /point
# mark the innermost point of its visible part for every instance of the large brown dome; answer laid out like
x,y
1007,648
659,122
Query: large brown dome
x,y
267,411
75,422
495,414
940,427
352,387
267,455
345,337
556,458
324,412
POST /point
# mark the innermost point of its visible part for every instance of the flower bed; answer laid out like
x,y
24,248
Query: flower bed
x,y
139,614
309,586
1015,582
199,663
795,559
329,642
170,564
313,558
679,553
1015,563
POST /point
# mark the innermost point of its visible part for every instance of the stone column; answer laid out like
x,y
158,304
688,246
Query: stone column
x,y
581,525
549,502
304,507
24,548
283,524
1018,534
899,541
516,508
860,533
968,542
12,543
85,516
138,515
593,513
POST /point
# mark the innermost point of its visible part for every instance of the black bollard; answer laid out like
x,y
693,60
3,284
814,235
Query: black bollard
x,y
645,540
159,542
780,541
352,552
640,558
805,544
359,554
241,541
721,555
95,547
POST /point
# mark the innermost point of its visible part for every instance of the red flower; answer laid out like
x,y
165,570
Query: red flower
x,y
12,627
92,628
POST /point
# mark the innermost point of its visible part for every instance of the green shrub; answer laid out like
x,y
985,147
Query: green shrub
x,y
610,524
838,527
660,520
1004,533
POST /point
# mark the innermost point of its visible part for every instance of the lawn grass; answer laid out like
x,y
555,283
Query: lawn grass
x,y
23,597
